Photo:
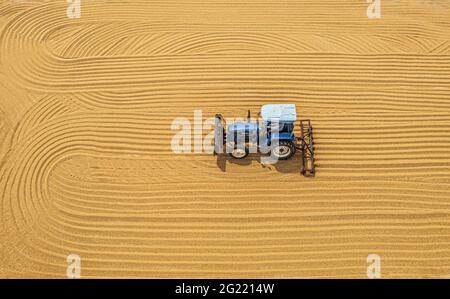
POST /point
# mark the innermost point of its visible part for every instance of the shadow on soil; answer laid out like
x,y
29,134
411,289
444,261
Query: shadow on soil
x,y
292,165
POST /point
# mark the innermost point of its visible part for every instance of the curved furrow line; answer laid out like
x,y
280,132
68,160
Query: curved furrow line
x,y
86,164
91,194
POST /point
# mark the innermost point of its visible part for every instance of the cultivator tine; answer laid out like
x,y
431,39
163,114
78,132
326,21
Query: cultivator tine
x,y
307,148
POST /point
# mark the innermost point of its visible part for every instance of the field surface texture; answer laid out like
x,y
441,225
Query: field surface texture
x,y
87,168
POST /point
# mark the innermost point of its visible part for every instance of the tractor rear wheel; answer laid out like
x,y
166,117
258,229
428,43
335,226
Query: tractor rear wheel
x,y
283,150
239,152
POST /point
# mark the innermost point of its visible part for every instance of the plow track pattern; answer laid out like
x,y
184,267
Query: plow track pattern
x,y
86,166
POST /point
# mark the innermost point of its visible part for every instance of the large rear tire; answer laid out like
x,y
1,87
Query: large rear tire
x,y
283,150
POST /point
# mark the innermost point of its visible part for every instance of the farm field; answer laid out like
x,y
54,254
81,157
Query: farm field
x,y
87,168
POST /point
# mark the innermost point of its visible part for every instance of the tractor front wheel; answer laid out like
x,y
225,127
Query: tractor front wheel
x,y
239,152
283,150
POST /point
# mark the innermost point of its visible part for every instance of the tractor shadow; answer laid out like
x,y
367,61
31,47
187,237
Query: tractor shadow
x,y
293,165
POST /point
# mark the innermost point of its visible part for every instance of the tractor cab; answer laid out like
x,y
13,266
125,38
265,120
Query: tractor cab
x,y
280,117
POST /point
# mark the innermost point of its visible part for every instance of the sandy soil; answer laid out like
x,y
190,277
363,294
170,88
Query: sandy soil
x,y
86,107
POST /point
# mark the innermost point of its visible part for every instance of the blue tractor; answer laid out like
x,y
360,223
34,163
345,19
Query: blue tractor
x,y
273,133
